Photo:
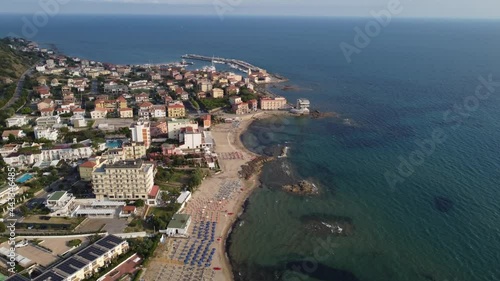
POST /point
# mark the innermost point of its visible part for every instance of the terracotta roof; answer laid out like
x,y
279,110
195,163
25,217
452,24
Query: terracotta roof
x,y
176,105
126,109
128,209
88,164
154,191
50,109
121,98
8,132
146,104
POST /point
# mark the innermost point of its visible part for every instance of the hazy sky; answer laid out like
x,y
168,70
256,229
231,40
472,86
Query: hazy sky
x,y
411,8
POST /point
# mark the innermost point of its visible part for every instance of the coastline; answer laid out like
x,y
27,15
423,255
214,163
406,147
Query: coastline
x,y
202,205
249,186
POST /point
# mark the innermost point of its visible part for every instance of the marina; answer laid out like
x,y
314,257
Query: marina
x,y
240,65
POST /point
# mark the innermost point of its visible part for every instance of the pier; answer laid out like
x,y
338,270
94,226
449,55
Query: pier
x,y
242,65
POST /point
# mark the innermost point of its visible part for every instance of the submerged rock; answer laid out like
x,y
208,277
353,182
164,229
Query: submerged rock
x,y
321,272
301,188
326,225
443,204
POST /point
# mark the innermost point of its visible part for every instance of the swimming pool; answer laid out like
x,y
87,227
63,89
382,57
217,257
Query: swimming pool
x,y
114,144
24,178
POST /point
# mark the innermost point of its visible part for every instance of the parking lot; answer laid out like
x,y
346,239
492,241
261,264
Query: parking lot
x,y
111,225
46,252
114,122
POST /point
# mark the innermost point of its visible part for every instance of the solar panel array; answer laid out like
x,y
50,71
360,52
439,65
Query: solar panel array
x,y
109,242
49,276
91,253
77,262
17,278
71,265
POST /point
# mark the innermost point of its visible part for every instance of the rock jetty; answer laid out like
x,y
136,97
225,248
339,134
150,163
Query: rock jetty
x,y
254,166
301,188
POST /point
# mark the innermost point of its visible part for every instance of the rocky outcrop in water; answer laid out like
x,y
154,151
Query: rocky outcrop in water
x,y
328,225
253,167
301,188
315,114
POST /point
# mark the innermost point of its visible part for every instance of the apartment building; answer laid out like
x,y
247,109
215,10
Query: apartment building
x,y
98,113
84,264
272,103
121,180
176,110
134,150
141,132
217,93
45,133
48,120
16,121
174,127
85,169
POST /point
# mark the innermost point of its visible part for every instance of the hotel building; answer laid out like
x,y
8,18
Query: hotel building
x,y
123,180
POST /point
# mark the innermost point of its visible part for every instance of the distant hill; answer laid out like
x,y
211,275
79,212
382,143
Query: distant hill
x,y
13,63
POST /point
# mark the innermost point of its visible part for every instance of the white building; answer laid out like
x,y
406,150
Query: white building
x,y
22,160
183,199
46,133
65,152
9,149
48,121
123,180
61,204
78,121
86,263
192,138
98,113
141,132
303,104
158,111
19,121
174,127
178,225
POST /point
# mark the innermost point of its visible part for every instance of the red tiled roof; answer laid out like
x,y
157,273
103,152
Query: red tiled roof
x,y
8,132
146,104
88,164
176,105
128,208
154,191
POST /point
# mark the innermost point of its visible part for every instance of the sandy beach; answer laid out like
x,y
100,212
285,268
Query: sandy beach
x,y
217,203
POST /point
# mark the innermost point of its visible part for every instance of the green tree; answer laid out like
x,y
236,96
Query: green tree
x,y
139,203
12,138
3,228
24,210
26,110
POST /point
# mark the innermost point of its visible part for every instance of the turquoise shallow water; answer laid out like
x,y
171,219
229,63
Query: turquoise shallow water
x,y
441,223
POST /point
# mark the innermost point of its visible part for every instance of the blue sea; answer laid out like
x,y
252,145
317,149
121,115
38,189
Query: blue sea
x,y
410,167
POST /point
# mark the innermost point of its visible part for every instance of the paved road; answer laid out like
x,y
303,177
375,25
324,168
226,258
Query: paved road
x,y
19,89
